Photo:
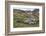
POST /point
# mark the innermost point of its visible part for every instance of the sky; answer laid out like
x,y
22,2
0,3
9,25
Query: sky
x,y
26,9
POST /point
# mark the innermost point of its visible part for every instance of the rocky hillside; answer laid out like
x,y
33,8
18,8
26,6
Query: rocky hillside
x,y
26,17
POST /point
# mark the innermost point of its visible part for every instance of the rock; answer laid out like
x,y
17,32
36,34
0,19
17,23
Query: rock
x,y
29,20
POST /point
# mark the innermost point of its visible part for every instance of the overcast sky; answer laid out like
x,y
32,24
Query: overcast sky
x,y
26,9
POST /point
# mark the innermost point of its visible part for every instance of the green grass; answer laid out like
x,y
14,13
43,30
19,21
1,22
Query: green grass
x,y
19,18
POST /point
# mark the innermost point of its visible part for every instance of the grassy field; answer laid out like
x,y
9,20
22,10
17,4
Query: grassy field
x,y
19,18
